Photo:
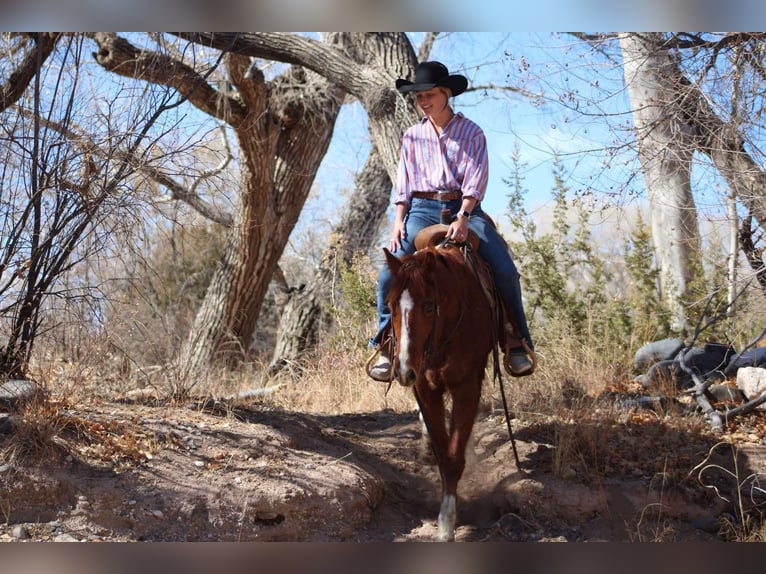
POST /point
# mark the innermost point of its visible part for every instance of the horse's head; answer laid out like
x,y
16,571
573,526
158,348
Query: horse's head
x,y
427,300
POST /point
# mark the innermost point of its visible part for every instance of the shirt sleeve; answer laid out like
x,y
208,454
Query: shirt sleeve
x,y
476,173
402,191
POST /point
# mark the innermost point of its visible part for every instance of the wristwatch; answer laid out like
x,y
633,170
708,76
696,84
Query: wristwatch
x,y
465,213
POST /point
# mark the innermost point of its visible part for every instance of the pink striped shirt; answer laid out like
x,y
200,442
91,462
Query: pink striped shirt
x,y
455,160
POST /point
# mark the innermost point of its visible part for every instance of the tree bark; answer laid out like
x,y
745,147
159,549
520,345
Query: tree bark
x,y
366,65
666,143
303,316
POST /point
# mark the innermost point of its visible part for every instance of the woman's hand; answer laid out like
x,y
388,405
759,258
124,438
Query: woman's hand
x,y
399,232
458,229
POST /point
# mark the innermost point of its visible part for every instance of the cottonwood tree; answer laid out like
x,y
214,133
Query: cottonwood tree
x,y
665,147
282,127
695,102
675,117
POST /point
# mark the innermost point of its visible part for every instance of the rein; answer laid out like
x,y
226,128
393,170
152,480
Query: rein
x,y
493,299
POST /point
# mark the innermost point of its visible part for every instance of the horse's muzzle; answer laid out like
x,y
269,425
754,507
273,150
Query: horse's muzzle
x,y
407,377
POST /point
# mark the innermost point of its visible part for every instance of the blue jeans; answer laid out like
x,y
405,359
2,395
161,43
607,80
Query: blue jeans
x,y
425,212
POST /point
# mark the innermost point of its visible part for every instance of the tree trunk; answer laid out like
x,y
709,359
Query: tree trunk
x,y
666,143
299,325
366,65
302,315
282,141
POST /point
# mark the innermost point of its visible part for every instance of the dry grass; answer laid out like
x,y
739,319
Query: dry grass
x,y
750,528
335,382
34,437
561,405
722,472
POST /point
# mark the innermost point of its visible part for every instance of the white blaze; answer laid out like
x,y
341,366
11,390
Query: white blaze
x,y
405,305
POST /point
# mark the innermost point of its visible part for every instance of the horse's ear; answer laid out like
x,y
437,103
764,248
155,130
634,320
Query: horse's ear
x,y
394,264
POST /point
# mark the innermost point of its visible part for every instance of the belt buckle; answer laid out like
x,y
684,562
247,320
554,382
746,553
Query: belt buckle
x,y
442,195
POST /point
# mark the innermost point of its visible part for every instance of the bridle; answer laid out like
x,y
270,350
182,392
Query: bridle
x,y
428,346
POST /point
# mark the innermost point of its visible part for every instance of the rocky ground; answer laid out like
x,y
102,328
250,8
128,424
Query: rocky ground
x,y
132,472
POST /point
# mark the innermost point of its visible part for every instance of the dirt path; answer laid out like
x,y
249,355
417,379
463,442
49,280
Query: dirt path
x,y
132,472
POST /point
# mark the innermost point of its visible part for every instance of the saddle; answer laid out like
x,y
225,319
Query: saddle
x,y
508,333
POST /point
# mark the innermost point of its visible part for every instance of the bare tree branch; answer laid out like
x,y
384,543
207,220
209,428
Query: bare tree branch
x,y
177,190
747,407
291,49
428,43
753,254
18,81
118,55
700,386
181,193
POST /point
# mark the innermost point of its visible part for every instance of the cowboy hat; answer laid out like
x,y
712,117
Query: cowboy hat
x,y
430,75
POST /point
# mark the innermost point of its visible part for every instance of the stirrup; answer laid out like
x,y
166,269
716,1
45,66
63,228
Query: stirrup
x,y
522,369
381,377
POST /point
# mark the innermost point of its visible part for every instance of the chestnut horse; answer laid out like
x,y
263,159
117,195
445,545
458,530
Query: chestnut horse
x,y
443,333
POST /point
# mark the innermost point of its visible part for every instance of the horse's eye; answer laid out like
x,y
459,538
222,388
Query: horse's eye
x,y
429,308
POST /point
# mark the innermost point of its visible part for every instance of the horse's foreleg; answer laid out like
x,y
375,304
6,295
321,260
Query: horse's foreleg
x,y
447,518
432,415
465,404
426,450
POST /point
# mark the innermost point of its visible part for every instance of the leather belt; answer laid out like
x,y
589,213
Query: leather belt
x,y
441,196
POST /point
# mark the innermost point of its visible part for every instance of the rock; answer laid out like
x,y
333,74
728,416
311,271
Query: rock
x,y
752,382
254,393
656,351
667,373
711,524
651,403
6,424
709,362
20,533
65,538
751,358
16,392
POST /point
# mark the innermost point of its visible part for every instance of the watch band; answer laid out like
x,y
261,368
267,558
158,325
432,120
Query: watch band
x,y
465,213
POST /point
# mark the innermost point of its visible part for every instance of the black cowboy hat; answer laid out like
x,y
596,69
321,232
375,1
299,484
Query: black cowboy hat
x,y
431,74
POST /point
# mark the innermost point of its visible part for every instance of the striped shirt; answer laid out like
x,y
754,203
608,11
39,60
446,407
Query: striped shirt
x,y
455,160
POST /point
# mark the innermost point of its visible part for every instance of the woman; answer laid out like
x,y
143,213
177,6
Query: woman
x,y
443,163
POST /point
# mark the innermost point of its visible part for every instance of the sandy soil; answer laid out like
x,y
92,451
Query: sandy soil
x,y
130,472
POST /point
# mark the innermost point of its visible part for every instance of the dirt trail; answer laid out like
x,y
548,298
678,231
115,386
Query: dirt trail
x,y
161,473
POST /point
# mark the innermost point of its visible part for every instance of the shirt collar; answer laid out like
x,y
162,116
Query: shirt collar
x,y
457,115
